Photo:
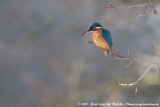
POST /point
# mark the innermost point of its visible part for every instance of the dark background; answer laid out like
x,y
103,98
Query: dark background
x,y
44,61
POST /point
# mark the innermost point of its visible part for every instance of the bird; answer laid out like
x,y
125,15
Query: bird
x,y
101,37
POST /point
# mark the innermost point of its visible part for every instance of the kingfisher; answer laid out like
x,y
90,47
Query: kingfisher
x,y
101,37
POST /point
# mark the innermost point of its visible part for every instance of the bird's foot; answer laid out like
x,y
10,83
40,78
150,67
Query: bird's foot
x,y
106,53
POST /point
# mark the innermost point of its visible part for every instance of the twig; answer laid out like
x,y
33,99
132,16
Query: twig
x,y
136,82
129,64
157,69
139,5
117,56
146,5
136,90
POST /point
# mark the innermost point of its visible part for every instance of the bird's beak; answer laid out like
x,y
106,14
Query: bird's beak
x,y
85,33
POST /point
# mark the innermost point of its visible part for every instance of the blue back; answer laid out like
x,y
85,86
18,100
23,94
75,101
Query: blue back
x,y
107,35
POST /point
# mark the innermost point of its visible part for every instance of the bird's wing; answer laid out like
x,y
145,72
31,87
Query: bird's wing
x,y
107,36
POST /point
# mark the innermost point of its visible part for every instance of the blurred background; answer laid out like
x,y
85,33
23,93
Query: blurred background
x,y
44,61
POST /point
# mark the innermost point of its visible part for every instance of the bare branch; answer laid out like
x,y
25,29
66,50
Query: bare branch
x,y
139,5
129,64
140,78
136,90
157,69
117,56
146,5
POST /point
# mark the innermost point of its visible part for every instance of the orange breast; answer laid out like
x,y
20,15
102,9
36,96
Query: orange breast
x,y
99,40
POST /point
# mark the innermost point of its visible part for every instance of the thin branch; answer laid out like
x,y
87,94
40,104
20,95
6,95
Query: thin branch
x,y
157,69
140,78
136,82
139,5
146,5
136,90
129,64
115,55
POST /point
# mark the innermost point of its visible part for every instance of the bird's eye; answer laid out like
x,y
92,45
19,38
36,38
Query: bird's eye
x,y
94,27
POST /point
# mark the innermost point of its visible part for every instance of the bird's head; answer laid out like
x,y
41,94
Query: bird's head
x,y
93,27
